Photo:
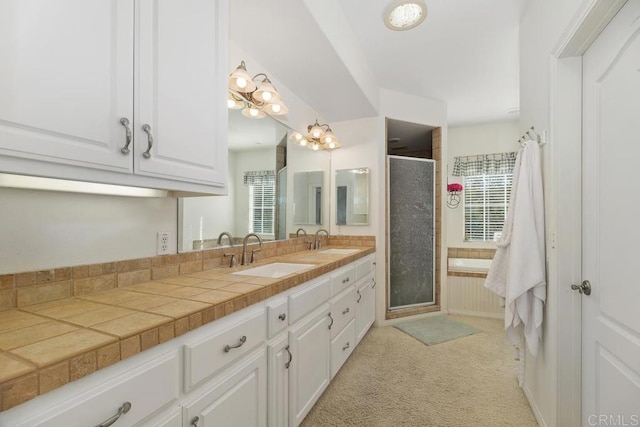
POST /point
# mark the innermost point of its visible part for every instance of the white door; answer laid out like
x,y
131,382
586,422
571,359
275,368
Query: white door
x,y
66,80
610,235
310,369
181,91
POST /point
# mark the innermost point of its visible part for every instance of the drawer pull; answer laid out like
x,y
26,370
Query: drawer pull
x,y
147,129
228,347
346,346
345,311
286,365
195,421
330,324
126,406
282,316
359,296
374,283
346,280
125,122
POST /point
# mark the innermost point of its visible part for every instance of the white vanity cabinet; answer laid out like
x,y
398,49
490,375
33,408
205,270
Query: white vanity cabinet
x,y
365,296
115,91
236,397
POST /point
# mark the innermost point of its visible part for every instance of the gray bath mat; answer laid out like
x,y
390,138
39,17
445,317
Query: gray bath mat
x,y
436,329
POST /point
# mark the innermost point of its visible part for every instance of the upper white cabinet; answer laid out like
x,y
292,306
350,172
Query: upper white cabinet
x,y
115,91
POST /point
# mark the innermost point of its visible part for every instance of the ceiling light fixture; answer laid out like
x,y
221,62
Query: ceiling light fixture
x,y
255,100
404,15
318,137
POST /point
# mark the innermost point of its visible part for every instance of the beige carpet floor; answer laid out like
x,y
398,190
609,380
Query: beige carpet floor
x,y
392,379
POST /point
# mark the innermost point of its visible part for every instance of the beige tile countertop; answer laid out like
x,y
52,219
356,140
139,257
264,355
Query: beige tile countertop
x,y
45,346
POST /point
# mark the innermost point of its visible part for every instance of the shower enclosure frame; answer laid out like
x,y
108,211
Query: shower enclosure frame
x,y
434,257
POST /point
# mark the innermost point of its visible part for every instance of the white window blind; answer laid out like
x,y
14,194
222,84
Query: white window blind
x,y
486,199
262,198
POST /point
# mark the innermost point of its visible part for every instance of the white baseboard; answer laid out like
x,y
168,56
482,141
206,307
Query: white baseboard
x,y
534,408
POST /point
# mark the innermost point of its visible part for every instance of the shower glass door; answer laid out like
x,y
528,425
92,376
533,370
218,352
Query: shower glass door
x,y
411,232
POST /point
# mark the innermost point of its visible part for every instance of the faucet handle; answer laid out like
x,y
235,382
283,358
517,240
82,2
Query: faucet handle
x,y
234,260
253,255
310,243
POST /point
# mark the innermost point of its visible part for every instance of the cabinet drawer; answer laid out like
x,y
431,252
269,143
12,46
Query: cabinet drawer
x,y
147,388
205,357
342,346
342,279
365,266
343,308
278,316
305,300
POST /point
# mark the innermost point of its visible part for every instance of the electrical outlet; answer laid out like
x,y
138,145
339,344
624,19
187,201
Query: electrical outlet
x,y
163,242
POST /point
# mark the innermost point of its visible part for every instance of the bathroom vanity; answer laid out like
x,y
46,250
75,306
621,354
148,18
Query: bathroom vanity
x,y
263,365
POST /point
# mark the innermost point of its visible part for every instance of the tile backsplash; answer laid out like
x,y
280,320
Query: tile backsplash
x,y
36,287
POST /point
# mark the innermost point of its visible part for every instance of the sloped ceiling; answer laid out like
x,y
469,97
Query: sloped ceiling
x,y
336,54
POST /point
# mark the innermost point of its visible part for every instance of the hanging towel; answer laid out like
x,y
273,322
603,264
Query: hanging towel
x,y
518,270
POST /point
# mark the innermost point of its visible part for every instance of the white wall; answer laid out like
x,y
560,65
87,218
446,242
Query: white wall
x,y
43,230
484,138
542,27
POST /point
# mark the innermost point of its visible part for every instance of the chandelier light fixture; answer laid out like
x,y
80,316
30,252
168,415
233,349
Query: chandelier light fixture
x,y
318,137
255,100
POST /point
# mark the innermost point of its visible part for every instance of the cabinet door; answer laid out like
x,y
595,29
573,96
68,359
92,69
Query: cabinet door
x,y
236,398
279,358
310,369
181,90
66,79
365,307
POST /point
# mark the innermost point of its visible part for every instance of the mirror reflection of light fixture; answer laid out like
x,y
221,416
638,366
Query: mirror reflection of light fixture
x,y
318,137
255,100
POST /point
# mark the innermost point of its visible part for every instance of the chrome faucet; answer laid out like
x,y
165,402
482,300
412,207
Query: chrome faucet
x,y
307,241
225,233
253,252
233,262
317,242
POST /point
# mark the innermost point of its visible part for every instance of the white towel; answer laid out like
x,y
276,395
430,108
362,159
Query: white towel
x,y
518,270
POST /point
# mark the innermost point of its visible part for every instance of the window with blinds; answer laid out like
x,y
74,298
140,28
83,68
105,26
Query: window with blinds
x,y
262,202
486,199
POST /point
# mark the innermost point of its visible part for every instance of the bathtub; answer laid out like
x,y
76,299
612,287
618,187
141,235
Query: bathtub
x,y
469,265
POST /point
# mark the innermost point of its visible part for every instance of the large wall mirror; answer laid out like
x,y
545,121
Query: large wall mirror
x,y
262,165
352,196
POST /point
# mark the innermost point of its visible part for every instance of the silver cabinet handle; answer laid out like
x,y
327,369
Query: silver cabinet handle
x,y
282,316
195,421
374,283
147,129
359,296
228,347
345,311
346,346
286,365
345,280
126,406
330,324
125,122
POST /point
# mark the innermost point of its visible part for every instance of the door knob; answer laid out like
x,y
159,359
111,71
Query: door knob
x,y
583,288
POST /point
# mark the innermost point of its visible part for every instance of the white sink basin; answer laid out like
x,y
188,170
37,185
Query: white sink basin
x,y
338,251
275,270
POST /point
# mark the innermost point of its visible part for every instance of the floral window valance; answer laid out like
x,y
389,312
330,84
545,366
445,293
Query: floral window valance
x,y
263,178
484,164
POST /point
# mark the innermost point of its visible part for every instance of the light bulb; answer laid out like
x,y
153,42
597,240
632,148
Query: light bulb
x,y
266,96
241,82
296,136
316,146
303,142
332,145
316,134
275,108
328,139
254,112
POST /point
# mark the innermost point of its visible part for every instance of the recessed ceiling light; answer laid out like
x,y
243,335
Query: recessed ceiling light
x,y
403,15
